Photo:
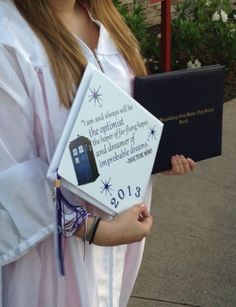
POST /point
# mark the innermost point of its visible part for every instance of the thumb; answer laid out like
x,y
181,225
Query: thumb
x,y
142,211
139,207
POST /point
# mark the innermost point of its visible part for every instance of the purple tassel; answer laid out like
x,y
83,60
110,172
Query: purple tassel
x,y
69,219
59,232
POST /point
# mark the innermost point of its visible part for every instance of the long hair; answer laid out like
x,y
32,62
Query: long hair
x,y
63,50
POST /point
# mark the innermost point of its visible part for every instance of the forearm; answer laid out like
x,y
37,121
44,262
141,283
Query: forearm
x,y
130,226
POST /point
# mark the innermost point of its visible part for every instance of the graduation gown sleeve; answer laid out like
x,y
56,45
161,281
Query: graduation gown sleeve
x,y
26,206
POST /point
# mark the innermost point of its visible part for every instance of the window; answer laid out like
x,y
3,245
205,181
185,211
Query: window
x,y
81,149
75,152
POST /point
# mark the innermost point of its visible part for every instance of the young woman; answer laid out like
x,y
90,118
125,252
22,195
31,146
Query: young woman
x,y
44,48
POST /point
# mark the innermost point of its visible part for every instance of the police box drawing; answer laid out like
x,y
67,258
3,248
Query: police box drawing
x,y
83,160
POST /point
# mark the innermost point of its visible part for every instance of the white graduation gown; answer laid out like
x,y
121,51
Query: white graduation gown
x,y
31,122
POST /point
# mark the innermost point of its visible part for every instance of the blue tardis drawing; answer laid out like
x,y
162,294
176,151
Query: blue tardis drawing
x,y
83,160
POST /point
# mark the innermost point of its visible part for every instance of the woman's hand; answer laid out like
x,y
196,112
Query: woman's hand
x,y
129,226
180,165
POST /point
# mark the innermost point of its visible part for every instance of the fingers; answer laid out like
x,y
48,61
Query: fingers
x,y
141,210
192,164
147,221
180,165
176,165
144,219
185,168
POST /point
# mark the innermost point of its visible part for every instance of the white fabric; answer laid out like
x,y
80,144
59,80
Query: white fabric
x,y
31,122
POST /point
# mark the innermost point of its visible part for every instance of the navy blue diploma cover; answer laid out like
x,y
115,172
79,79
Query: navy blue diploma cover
x,y
190,104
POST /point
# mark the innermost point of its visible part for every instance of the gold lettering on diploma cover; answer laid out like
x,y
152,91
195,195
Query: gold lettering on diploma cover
x,y
184,118
183,121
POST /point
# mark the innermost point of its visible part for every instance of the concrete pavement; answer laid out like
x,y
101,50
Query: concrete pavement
x,y
190,256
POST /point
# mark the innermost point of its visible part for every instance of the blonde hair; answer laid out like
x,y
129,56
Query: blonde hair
x,y
64,53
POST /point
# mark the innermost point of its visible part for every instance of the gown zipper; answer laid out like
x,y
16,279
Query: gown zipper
x,y
98,61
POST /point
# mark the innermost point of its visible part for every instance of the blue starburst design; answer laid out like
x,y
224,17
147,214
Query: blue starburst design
x,y
95,96
152,132
106,186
